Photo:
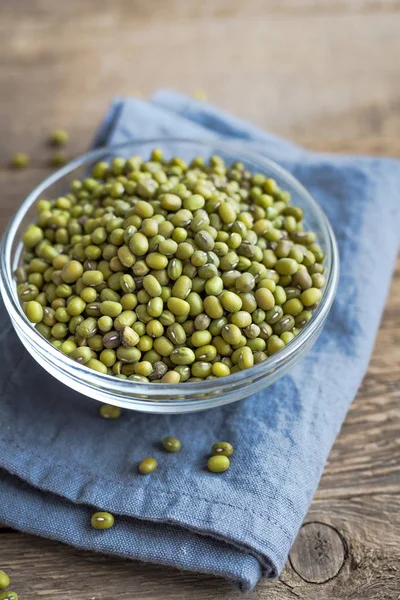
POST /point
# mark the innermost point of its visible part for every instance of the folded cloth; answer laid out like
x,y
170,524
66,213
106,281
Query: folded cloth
x,y
59,460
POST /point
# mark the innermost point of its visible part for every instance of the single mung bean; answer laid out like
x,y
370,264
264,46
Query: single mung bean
x,y
163,346
294,306
273,315
128,354
171,444
32,236
222,449
102,520
71,271
81,355
214,286
219,369
196,304
76,306
285,324
143,368
256,344
316,268
4,580
246,359
264,298
59,330
154,328
159,367
178,306
110,308
231,301
231,334
181,287
201,369
318,280
286,266
176,334
206,353
108,357
155,307
274,344
171,202
152,286
182,356
88,294
251,331
96,365
259,356
200,338
171,377
286,337
245,282
58,137
279,295
303,318
139,244
311,296
111,339
34,311
108,411
129,337
218,464
20,160
147,465
302,279
202,322
92,278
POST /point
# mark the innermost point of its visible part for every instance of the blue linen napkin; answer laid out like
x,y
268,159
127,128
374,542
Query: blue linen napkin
x,y
59,460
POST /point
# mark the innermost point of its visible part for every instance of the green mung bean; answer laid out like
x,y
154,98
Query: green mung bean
x,y
4,580
222,449
102,520
218,463
148,465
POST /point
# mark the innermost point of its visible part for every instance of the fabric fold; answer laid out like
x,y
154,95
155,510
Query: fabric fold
x,y
59,460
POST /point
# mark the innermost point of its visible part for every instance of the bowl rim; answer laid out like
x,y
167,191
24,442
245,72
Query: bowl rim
x,y
129,387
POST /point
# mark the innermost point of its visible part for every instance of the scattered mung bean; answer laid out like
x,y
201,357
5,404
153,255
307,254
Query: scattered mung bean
x,y
171,444
102,520
218,463
222,448
4,580
148,465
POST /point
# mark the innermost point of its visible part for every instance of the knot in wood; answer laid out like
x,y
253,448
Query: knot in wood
x,y
318,553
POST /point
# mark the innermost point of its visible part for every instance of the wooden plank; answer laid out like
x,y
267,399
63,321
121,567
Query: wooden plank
x,y
48,570
347,92
324,74
363,568
15,186
172,9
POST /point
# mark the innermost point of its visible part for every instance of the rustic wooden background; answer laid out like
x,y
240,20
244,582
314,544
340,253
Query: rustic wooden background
x,y
325,73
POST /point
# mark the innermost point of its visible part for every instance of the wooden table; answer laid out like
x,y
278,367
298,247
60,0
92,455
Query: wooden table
x,y
327,74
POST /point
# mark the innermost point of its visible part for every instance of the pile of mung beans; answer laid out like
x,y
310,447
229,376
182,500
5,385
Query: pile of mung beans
x,y
164,271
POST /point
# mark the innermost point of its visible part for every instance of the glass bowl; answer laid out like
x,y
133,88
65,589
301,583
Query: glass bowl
x,y
155,397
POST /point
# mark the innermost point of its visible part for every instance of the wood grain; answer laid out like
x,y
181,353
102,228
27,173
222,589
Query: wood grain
x,y
318,553
325,74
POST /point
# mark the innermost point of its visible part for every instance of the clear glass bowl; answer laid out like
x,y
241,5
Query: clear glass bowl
x,y
155,397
